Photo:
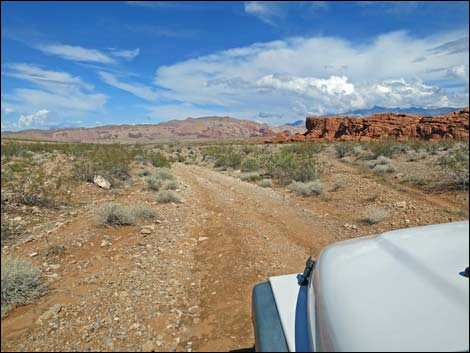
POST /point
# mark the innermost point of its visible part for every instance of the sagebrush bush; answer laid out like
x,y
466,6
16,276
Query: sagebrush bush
x,y
164,174
307,189
112,214
374,215
385,148
382,169
168,196
154,183
21,283
365,166
266,183
382,160
287,167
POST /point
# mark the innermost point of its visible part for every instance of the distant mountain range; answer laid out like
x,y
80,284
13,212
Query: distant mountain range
x,y
212,127
377,110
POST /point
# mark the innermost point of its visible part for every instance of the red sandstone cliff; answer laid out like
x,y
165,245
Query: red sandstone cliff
x,y
382,126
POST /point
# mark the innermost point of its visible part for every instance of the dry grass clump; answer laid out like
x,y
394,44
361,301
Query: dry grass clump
x,y
266,183
168,196
307,189
21,283
112,214
374,215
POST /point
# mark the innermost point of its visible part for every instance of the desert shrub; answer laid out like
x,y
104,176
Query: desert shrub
x,y
338,184
154,183
167,196
287,167
385,148
373,215
112,214
343,148
305,149
411,156
266,183
21,283
144,172
456,166
158,159
54,250
170,185
37,189
164,174
249,176
144,212
357,150
307,189
10,231
382,160
365,166
381,169
228,159
109,161
250,165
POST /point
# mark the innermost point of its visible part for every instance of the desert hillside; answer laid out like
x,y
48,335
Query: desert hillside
x,y
212,127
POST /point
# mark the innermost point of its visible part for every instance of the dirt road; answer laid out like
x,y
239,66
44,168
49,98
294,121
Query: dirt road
x,y
186,285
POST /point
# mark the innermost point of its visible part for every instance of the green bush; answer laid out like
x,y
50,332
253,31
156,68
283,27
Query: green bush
x,y
10,231
249,176
381,169
385,148
250,165
21,283
382,160
287,167
164,174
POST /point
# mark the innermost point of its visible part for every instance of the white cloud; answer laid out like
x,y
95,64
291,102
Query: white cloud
x,y
266,11
8,110
138,90
298,76
126,54
34,119
59,93
458,72
44,78
76,53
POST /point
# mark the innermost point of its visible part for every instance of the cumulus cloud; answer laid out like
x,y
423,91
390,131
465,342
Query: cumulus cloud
x,y
298,76
138,90
35,119
76,53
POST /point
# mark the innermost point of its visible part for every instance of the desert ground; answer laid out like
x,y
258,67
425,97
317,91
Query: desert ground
x,y
171,263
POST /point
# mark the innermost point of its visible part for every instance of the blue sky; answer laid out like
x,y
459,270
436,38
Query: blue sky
x,y
69,64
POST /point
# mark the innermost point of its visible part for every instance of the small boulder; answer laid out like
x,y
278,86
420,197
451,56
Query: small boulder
x,y
102,182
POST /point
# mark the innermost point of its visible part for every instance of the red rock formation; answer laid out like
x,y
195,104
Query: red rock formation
x,y
382,126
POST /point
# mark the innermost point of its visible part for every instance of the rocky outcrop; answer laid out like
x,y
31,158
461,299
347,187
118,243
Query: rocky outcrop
x,y
382,126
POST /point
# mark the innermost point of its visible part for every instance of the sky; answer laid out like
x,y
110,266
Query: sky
x,y
85,64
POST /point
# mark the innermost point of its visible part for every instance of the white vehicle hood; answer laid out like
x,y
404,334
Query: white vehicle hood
x,y
399,291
